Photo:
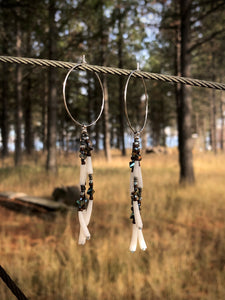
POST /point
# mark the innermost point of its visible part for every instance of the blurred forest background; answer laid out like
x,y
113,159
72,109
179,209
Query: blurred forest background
x,y
184,225
169,37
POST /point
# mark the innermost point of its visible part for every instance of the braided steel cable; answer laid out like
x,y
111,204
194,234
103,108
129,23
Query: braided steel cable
x,y
11,285
112,71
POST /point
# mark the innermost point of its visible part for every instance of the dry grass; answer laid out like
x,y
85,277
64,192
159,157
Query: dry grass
x,y
184,229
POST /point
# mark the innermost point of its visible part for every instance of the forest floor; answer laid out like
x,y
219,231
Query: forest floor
x,y
184,228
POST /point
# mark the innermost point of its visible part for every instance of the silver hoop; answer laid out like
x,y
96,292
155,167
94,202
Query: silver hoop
x,y
125,104
65,103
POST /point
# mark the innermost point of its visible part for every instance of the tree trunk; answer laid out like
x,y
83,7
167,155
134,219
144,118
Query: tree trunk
x,y
177,67
4,112
106,121
162,133
213,122
28,141
4,122
103,51
121,87
204,131
222,123
51,164
204,134
4,94
18,98
185,101
213,104
210,125
44,116
29,138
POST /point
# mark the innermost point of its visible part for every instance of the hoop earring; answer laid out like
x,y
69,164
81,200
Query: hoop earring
x,y
84,205
136,182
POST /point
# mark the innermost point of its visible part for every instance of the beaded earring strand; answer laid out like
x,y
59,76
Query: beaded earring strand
x,y
136,182
84,205
136,186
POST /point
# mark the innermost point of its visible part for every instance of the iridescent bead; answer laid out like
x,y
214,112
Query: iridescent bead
x,y
131,164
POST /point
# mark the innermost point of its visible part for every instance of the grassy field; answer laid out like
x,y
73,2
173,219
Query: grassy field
x,y
184,229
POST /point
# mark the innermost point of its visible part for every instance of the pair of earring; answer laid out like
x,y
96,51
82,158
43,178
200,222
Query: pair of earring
x,y
86,171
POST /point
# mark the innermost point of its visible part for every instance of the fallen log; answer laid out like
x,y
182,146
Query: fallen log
x,y
13,200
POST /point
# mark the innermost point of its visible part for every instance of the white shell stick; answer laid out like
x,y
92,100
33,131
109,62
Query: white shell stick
x,y
83,174
135,170
137,215
87,216
88,212
140,180
141,240
89,165
81,214
83,225
134,237
131,182
84,171
82,237
137,173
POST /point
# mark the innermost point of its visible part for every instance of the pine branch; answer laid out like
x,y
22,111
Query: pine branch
x,y
207,13
205,40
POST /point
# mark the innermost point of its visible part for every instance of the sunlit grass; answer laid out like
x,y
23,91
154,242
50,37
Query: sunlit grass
x,y
184,228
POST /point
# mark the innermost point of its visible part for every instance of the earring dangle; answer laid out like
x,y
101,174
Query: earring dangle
x,y
136,182
86,171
